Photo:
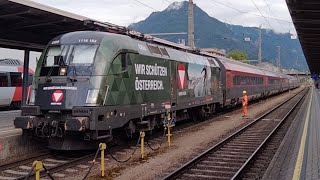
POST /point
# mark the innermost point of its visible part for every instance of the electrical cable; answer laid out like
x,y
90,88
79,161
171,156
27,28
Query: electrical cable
x,y
94,160
261,14
169,1
245,12
30,171
273,13
47,171
123,161
146,5
155,149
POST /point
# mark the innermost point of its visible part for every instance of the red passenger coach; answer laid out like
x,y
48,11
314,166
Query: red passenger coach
x,y
241,76
11,74
256,81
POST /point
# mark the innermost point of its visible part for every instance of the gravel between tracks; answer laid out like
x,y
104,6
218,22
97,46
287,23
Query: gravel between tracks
x,y
187,145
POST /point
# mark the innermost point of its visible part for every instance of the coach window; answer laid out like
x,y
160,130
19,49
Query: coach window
x,y
16,79
3,80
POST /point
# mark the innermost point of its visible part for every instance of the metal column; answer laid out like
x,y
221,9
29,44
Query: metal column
x,y
25,77
190,25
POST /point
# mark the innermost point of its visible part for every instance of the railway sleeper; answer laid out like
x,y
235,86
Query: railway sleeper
x,y
221,163
226,159
249,140
198,176
219,168
225,155
242,146
234,148
211,172
235,153
255,134
245,143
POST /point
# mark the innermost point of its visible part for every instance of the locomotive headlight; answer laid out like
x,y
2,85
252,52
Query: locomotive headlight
x,y
63,71
92,96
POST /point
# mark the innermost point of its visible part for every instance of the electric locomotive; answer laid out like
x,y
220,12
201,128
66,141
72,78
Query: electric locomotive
x,y
90,85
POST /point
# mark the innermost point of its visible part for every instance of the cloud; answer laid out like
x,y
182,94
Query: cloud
x,y
125,12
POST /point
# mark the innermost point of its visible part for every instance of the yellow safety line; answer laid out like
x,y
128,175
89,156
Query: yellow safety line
x,y
298,167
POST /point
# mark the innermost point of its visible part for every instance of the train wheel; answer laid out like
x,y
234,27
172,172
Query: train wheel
x,y
197,114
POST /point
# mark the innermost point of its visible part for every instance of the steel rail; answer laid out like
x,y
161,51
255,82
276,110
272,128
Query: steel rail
x,y
24,161
197,159
60,166
256,152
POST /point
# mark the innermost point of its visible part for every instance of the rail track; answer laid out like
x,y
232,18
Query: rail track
x,y
61,166
54,163
230,158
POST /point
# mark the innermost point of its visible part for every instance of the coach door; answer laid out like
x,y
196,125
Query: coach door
x,y
173,84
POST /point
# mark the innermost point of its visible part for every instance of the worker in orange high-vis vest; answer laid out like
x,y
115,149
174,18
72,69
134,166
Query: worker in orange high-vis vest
x,y
244,104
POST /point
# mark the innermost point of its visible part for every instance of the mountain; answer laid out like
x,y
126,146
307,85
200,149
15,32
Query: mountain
x,y
212,33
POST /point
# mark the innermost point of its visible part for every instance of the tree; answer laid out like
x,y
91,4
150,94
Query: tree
x,y
238,55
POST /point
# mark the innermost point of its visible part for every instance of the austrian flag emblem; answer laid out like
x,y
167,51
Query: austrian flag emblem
x,y
182,76
57,97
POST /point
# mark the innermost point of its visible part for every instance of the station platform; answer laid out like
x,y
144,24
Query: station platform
x,y
12,143
6,123
7,117
298,156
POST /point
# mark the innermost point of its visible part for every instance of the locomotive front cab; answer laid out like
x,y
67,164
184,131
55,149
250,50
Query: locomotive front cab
x,y
69,89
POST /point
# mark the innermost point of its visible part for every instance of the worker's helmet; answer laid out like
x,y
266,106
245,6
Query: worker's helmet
x,y
244,92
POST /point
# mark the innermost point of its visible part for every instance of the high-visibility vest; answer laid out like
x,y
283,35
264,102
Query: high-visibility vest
x,y
245,100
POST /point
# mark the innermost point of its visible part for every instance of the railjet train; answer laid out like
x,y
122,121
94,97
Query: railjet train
x,y
11,74
91,86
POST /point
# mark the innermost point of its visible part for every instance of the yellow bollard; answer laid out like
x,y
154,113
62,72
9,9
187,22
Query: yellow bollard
x,y
102,146
142,135
169,130
37,167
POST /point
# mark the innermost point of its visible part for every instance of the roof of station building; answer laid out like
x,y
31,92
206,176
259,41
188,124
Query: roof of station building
x,y
306,18
25,24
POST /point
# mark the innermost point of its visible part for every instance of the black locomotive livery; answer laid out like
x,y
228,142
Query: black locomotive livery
x,y
89,86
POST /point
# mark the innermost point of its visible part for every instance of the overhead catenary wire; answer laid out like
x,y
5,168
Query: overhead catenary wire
x,y
273,13
245,12
261,13
146,5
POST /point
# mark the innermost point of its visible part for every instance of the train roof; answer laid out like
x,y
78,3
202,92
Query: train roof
x,y
148,48
233,65
10,62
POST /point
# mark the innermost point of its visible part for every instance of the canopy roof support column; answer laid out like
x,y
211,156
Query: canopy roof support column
x,y
25,77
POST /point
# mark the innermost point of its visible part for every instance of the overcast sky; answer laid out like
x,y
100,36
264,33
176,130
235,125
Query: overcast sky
x,y
125,12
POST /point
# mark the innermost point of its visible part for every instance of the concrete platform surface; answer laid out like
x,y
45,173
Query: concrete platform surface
x,y
298,156
7,117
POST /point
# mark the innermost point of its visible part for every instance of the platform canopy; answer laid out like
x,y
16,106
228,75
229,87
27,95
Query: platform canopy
x,y
306,18
28,25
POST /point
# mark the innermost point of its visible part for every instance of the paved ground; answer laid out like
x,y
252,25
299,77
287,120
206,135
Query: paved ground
x,y
299,155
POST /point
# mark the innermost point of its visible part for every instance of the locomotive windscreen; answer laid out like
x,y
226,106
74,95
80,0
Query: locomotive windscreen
x,y
77,58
